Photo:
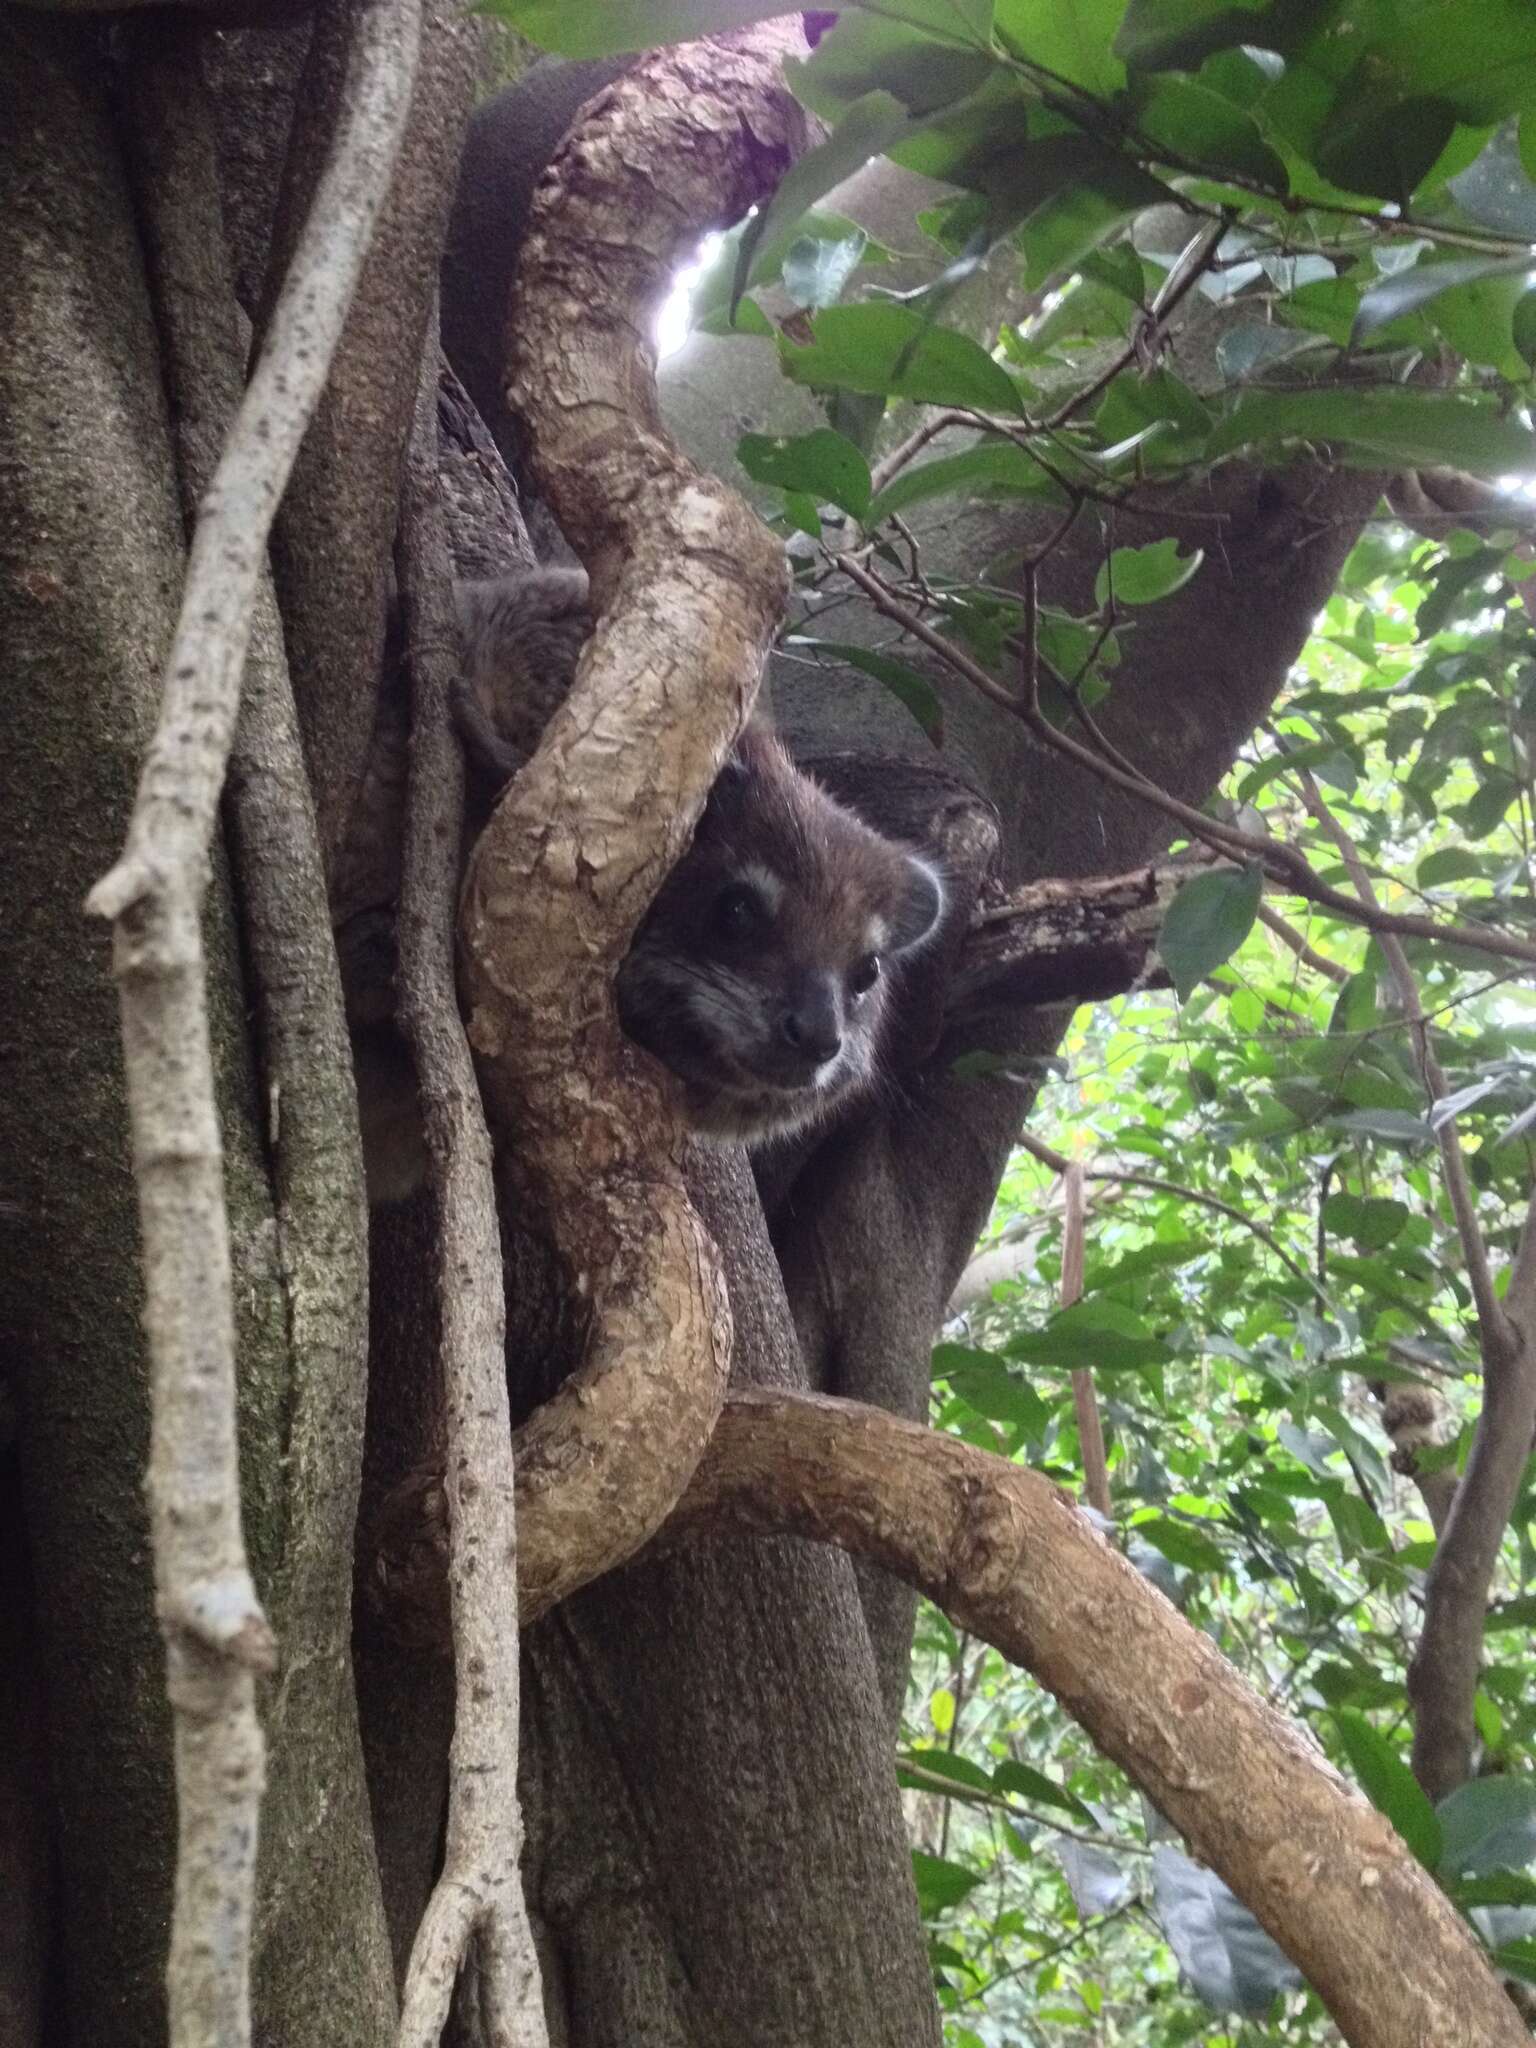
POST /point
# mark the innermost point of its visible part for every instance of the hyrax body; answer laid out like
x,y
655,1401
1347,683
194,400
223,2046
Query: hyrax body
x,y
762,974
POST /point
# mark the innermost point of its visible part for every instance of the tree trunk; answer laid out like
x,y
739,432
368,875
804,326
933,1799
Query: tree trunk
x,y
716,1848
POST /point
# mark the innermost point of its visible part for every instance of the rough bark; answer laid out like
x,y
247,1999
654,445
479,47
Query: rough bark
x,y
476,1917
708,1776
93,557
334,532
321,1959
689,587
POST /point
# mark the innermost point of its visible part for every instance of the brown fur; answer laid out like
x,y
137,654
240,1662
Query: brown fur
x,y
742,1015
752,975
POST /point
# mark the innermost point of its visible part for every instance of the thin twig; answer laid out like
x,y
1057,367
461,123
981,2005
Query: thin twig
x,y
1474,1250
1306,953
478,1897
1058,1162
1001,1802
1186,273
1283,863
1090,1427
1443,1676
216,1635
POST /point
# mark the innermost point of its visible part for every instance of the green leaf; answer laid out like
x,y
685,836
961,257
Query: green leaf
x,y
993,469
1248,347
711,295
1355,1009
1452,579
604,28
1071,39
1522,328
1020,1781
1392,1126
1195,123
1181,1544
870,127
1143,575
1175,35
1508,1888
940,1884
964,1775
1417,428
1389,1785
816,268
1100,1334
892,351
1206,923
800,513
984,1382
1325,758
1066,194
1488,1824
1365,149
906,685
1371,1220
1411,289
822,463
1478,60
1517,1959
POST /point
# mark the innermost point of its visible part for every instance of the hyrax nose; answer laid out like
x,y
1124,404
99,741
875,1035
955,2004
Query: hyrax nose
x,y
812,1027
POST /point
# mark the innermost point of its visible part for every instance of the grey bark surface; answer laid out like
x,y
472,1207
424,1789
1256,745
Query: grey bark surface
x,y
25,1872
90,541
336,527
708,1746
321,1961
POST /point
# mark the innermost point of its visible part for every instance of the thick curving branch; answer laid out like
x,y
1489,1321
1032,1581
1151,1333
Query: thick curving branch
x,y
478,1898
1008,1556
216,1635
689,587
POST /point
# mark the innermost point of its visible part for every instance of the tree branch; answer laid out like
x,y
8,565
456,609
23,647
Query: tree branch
x,y
1006,1554
1282,863
1058,1162
479,1896
1443,1675
309,1095
216,1636
1453,1163
689,586
1066,940
1307,954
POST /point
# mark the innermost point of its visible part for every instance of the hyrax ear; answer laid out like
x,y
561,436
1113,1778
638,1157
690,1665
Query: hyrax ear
x,y
921,906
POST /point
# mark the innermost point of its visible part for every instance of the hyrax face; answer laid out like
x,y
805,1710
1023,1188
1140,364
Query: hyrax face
x,y
761,975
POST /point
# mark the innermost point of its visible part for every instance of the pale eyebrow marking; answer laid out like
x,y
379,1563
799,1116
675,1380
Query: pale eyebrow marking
x,y
765,882
877,935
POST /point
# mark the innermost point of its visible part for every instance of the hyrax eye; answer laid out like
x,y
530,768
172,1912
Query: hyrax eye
x,y
738,913
865,974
